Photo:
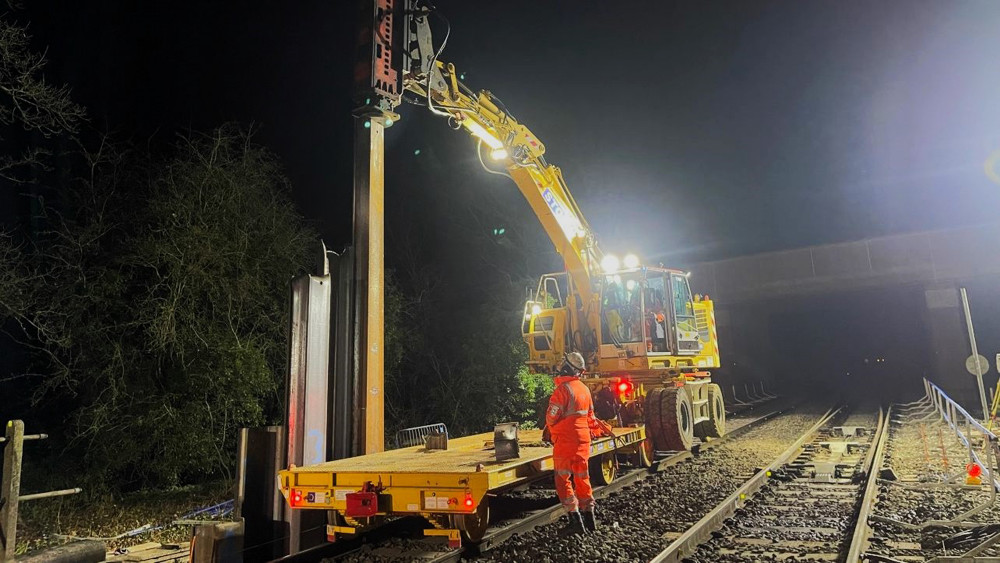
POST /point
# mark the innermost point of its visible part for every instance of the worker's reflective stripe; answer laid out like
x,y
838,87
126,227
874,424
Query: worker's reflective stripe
x,y
583,474
563,472
571,402
571,399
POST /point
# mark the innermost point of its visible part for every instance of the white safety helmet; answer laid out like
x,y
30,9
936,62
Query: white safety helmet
x,y
575,361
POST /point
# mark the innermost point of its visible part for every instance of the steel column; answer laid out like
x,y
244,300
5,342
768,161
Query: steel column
x,y
308,385
341,441
369,252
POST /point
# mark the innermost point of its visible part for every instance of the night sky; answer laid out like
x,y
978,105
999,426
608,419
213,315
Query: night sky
x,y
686,130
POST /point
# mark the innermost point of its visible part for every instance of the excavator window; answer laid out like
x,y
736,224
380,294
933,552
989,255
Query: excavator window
x,y
656,313
685,323
552,291
621,307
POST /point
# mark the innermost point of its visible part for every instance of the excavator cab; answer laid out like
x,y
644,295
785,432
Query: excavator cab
x,y
651,312
544,324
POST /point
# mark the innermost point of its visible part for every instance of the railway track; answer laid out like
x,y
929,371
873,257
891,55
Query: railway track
x,y
803,506
529,512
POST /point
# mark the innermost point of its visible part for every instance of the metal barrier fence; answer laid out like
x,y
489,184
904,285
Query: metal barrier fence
x,y
415,436
981,445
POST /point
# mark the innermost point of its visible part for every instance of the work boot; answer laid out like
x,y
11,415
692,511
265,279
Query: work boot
x,y
575,526
590,520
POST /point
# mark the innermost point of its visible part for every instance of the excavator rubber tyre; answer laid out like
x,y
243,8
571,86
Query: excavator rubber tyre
x,y
715,426
669,419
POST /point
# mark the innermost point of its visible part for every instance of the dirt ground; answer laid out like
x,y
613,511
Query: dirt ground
x,y
48,522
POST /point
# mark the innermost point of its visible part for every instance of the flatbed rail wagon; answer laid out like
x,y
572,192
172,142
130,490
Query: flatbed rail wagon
x,y
450,487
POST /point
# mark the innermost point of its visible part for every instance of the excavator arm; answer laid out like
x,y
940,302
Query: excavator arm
x,y
511,145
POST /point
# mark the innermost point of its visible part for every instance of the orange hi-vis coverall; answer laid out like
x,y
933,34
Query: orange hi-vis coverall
x,y
568,419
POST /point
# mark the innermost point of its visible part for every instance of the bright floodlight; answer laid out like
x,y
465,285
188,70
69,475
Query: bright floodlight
x,y
536,309
631,261
498,154
481,132
610,263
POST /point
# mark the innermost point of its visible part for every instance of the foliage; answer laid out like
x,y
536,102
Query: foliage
x,y
156,304
30,105
454,306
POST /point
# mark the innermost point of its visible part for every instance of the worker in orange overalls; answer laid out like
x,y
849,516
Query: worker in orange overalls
x,y
567,420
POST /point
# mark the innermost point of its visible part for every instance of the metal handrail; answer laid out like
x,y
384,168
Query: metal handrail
x,y
963,424
415,436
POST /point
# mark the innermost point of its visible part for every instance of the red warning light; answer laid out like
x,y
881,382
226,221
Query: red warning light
x,y
296,497
468,500
974,470
624,387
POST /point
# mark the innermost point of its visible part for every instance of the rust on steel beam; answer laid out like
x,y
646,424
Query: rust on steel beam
x,y
369,280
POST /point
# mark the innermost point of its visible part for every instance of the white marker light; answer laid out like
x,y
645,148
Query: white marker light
x,y
631,261
610,263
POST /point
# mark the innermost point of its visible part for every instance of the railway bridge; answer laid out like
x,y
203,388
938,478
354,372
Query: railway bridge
x,y
890,310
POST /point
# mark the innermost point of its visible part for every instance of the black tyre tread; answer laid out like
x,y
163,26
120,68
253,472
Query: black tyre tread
x,y
654,423
673,439
713,427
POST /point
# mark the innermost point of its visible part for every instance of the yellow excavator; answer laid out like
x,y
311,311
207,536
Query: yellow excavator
x,y
648,341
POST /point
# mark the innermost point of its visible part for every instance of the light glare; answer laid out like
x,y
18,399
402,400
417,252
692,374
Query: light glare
x,y
610,263
631,261
481,132
498,154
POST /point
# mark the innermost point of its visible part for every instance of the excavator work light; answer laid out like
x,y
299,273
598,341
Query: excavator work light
x,y
536,309
481,132
610,263
631,261
498,154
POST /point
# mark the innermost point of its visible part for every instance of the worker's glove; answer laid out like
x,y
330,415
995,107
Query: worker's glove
x,y
547,435
599,429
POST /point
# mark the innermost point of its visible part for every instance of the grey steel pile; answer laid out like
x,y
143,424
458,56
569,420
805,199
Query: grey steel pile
x,y
925,508
807,510
637,522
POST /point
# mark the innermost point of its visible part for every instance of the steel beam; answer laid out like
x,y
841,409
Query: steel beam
x,y
308,385
341,441
369,253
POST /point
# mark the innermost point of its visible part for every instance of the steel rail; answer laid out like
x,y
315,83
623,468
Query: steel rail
x,y
873,465
688,542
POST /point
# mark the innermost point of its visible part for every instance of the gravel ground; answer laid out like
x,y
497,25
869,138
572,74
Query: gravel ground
x,y
641,520
793,518
927,452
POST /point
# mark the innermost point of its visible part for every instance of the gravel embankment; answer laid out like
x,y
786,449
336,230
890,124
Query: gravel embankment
x,y
641,520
